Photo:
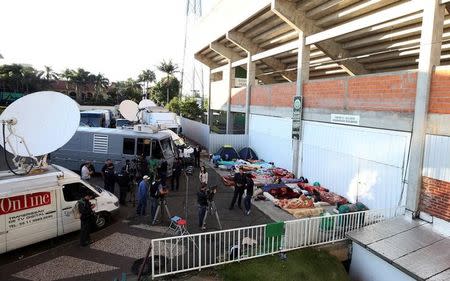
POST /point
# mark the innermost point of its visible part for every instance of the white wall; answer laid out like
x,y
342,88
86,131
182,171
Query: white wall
x,y
226,15
270,138
216,141
219,94
195,131
361,164
365,266
436,163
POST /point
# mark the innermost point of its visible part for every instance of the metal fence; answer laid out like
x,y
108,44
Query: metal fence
x,y
179,254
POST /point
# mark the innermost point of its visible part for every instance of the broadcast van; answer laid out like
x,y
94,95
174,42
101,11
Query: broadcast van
x,y
39,206
99,144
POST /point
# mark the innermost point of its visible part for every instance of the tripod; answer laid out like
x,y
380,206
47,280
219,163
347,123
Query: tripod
x,y
161,202
211,209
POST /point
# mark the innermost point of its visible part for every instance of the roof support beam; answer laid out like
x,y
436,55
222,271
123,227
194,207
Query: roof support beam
x,y
297,19
429,57
246,44
367,21
224,51
208,62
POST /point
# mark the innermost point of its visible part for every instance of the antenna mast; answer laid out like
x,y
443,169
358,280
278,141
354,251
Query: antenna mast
x,y
193,14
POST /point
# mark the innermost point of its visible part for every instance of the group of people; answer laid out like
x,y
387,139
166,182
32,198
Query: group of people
x,y
242,182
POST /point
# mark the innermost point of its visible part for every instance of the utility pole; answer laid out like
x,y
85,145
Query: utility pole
x,y
193,14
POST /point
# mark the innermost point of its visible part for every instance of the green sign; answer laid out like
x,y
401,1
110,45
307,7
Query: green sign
x,y
297,118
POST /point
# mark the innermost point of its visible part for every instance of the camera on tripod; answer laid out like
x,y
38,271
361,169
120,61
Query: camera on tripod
x,y
210,192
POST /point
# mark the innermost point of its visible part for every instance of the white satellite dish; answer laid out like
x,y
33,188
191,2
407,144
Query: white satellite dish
x,y
146,103
129,110
39,123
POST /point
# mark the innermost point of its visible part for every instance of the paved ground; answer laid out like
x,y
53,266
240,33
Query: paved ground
x,y
118,245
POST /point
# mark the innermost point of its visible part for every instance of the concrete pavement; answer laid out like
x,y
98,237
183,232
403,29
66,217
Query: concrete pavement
x,y
120,244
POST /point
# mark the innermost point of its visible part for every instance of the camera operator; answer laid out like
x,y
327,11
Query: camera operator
x,y
202,200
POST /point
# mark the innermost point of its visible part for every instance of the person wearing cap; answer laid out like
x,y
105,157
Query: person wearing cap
x,y
142,196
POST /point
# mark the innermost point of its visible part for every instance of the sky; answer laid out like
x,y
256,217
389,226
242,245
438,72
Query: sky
x,y
118,38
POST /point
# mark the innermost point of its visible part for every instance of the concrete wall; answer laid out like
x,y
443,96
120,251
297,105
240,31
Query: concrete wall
x,y
366,266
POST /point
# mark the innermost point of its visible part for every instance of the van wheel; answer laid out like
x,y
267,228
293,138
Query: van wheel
x,y
100,221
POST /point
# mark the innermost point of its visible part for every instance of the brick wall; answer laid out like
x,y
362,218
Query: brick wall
x,y
440,92
390,92
435,198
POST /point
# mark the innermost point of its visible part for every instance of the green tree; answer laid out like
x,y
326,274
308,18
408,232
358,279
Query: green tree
x,y
68,76
49,74
174,105
147,77
128,89
190,109
101,83
170,69
158,93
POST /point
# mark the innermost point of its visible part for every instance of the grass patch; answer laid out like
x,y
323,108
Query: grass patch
x,y
306,264
2,108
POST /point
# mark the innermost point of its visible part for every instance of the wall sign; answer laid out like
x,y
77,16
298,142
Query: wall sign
x,y
345,119
297,118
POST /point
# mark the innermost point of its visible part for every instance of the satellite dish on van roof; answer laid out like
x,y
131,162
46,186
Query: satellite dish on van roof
x,y
39,123
129,110
146,103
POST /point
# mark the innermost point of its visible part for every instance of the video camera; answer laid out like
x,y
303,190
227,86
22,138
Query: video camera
x,y
210,192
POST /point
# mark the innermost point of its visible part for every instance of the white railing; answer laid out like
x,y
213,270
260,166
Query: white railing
x,y
178,254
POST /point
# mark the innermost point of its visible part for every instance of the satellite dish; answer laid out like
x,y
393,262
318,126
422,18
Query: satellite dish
x,y
146,103
129,110
39,123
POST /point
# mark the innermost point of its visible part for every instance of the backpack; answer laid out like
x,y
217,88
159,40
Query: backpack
x,y
76,210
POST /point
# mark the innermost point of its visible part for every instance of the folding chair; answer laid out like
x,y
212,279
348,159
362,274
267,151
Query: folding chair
x,y
178,226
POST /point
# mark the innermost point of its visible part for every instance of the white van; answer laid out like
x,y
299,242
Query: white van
x,y
39,206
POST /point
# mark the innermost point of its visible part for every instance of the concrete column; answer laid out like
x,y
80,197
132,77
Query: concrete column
x,y
430,51
302,75
250,83
209,99
229,76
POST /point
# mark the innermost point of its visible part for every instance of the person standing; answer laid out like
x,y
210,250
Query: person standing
x,y
239,185
110,177
249,184
86,173
123,179
142,196
86,218
176,172
162,171
202,201
203,176
107,163
155,189
197,156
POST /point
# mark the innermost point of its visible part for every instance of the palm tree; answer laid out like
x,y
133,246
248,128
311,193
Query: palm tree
x,y
147,76
81,79
49,74
68,75
100,83
169,68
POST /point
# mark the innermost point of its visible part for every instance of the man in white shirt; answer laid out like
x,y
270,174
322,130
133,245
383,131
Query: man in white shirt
x,y
85,172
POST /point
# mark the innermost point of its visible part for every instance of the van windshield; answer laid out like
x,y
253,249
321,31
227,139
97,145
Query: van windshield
x,y
166,146
92,119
